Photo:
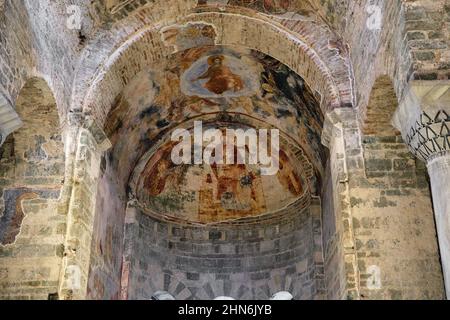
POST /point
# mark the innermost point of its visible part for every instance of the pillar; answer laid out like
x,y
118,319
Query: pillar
x,y
383,214
85,145
423,118
439,171
339,125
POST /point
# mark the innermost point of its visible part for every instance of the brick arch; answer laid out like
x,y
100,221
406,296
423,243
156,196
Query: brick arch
x,y
310,51
382,105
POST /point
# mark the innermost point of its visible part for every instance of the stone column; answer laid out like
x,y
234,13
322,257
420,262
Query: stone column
x,y
341,124
131,231
423,117
85,145
439,171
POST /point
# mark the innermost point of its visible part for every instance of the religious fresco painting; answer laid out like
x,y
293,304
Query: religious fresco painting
x,y
208,80
13,214
214,192
336,115
219,76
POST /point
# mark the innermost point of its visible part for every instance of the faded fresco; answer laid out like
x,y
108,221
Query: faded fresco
x,y
219,76
13,215
210,193
183,37
288,9
215,80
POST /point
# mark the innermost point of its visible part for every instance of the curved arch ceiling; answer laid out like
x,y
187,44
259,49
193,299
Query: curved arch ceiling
x,y
220,192
301,41
118,9
244,86
213,61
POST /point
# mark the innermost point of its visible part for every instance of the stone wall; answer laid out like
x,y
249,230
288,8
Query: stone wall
x,y
426,28
377,214
394,225
107,239
391,219
410,43
32,226
15,45
412,39
243,261
381,108
332,238
32,45
80,200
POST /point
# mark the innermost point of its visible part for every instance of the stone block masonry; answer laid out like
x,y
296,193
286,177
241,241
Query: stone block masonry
x,y
245,262
63,207
32,226
393,225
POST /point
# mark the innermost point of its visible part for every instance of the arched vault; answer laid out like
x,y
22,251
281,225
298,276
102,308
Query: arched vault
x,y
302,42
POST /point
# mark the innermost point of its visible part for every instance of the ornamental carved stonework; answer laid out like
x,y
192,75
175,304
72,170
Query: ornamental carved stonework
x,y
430,135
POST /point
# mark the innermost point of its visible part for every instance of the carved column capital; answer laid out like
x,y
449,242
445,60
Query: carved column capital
x,y
423,117
429,137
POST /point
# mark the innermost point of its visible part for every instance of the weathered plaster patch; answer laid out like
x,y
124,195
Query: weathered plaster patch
x,y
13,215
190,35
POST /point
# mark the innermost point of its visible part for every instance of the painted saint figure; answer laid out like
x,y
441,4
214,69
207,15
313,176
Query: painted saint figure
x,y
220,77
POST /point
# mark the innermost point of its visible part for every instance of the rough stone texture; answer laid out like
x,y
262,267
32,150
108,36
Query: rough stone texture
x,y
32,228
424,120
390,223
393,224
382,105
376,213
411,43
372,52
335,271
78,259
245,262
10,120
